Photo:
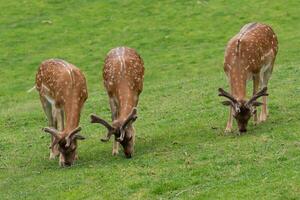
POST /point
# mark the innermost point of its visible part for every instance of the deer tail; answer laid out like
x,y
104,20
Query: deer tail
x,y
31,89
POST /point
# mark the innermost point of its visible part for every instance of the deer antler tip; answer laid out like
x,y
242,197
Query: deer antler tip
x,y
45,129
134,110
93,118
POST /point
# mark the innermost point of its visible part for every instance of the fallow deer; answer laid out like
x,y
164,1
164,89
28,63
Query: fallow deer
x,y
123,76
63,91
249,55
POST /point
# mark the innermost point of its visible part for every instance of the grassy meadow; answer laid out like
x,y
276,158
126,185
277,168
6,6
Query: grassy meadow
x,y
181,150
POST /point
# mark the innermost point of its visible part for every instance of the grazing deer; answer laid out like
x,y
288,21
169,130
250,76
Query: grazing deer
x,y
123,76
249,55
63,91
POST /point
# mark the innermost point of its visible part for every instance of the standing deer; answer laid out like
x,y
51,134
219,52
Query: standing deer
x,y
249,55
63,91
123,76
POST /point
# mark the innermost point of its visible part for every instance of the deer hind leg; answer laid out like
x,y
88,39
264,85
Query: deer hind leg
x,y
255,90
60,119
114,114
54,150
264,79
47,107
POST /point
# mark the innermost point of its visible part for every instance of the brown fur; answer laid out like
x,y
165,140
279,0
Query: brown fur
x,y
64,85
123,76
249,55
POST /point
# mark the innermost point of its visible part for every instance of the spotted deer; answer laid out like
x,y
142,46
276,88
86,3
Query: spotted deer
x,y
123,76
63,91
249,55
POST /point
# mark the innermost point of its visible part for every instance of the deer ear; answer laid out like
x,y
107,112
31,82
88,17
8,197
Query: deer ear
x,y
227,103
256,103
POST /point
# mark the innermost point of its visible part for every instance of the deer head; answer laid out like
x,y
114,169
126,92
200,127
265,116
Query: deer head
x,y
67,144
243,110
120,129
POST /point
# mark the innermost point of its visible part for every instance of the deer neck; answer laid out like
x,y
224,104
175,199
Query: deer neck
x,y
127,102
238,83
72,112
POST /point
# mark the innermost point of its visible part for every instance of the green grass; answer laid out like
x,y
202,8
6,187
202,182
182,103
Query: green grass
x,y
181,150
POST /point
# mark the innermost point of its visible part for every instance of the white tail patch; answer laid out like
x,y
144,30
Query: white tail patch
x,y
245,29
120,52
68,68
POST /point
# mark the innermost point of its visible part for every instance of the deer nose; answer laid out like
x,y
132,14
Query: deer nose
x,y
65,164
243,130
128,155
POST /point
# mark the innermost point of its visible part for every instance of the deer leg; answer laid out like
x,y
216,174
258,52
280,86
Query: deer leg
x,y
265,76
255,90
114,115
47,107
115,150
60,119
229,122
54,150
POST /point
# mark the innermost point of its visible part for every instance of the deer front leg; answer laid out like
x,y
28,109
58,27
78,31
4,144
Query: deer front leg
x,y
115,150
229,122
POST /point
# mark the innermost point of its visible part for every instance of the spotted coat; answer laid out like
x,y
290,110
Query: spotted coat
x,y
64,85
249,53
123,76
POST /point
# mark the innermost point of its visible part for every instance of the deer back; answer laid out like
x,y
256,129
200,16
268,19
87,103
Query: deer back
x,y
246,53
123,74
250,49
62,82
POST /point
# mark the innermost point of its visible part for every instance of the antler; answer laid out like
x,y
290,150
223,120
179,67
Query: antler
x,y
262,92
54,133
227,95
130,119
96,119
74,135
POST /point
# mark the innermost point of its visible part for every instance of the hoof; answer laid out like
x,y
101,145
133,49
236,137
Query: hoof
x,y
115,153
228,130
262,119
52,156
